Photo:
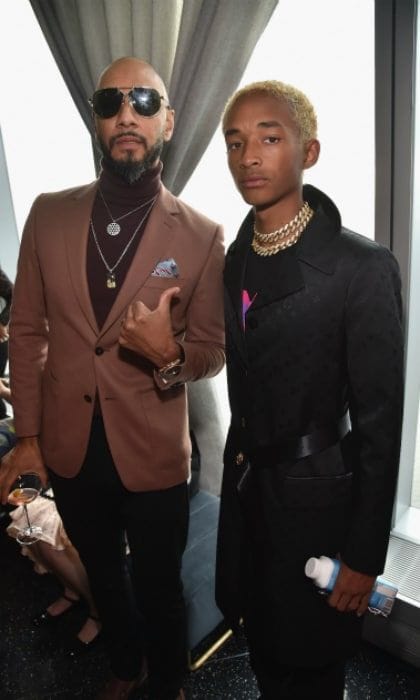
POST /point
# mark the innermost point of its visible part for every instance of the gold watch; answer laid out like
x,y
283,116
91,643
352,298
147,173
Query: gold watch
x,y
171,370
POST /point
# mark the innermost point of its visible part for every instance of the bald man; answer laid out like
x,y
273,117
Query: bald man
x,y
117,304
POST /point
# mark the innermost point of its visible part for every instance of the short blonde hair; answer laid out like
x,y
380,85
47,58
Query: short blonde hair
x,y
301,109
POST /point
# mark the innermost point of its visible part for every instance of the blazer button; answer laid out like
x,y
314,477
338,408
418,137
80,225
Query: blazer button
x,y
243,422
99,351
87,398
239,458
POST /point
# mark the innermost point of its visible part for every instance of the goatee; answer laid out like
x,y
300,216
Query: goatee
x,y
129,169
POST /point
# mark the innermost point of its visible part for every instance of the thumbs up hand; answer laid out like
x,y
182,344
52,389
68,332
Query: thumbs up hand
x,y
149,333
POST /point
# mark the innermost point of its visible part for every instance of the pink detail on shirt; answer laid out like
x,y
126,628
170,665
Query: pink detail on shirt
x,y
246,303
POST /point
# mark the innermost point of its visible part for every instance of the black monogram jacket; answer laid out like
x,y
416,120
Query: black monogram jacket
x,y
321,349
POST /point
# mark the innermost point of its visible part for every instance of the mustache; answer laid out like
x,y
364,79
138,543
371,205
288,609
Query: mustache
x,y
131,134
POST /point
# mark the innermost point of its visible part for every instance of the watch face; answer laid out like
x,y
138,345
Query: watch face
x,y
172,372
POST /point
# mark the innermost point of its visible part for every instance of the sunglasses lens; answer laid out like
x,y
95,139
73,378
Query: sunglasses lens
x,y
106,103
146,101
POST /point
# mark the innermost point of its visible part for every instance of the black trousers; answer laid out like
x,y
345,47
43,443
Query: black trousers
x,y
295,683
142,609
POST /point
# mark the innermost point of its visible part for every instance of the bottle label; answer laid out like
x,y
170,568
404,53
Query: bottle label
x,y
333,578
382,597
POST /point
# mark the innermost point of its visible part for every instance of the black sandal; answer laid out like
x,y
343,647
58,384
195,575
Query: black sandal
x,y
78,648
45,618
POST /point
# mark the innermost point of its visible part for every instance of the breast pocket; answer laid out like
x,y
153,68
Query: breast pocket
x,y
164,282
157,285
153,289
317,492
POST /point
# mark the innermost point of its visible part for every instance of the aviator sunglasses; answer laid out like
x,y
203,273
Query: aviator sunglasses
x,y
107,102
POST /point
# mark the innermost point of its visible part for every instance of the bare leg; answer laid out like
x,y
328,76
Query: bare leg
x,y
66,566
92,625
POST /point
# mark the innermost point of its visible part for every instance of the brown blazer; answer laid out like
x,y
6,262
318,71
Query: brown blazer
x,y
59,358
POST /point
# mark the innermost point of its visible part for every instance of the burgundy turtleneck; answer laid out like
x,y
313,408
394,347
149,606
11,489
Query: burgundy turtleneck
x,y
120,198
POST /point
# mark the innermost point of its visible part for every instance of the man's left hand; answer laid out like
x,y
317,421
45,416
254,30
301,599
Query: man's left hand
x,y
149,333
352,591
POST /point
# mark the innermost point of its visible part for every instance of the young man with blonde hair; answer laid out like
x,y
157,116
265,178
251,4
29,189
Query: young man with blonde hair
x,y
314,361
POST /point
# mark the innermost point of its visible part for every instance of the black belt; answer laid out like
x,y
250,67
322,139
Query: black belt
x,y
302,446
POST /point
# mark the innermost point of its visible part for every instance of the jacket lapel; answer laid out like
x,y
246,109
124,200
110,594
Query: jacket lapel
x,y
313,249
161,221
235,266
76,231
276,286
316,245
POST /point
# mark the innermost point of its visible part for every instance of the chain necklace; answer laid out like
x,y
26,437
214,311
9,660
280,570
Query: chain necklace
x,y
111,282
113,228
271,243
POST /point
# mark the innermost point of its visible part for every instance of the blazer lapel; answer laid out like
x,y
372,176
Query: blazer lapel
x,y
76,231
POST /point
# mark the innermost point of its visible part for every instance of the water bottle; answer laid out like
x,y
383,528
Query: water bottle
x,y
324,572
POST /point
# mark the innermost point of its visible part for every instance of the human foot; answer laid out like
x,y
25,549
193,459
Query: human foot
x,y
56,610
90,630
87,637
61,605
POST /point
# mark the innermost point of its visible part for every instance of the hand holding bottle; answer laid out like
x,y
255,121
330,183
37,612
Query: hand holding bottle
x,y
351,591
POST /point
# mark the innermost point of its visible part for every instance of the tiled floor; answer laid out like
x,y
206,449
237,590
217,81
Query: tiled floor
x,y
34,664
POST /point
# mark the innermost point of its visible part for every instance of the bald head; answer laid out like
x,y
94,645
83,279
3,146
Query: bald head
x,y
130,71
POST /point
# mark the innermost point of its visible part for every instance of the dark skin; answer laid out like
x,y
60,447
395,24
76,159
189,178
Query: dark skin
x,y
148,332
267,158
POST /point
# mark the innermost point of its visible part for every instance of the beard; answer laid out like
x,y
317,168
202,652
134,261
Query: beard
x,y
128,168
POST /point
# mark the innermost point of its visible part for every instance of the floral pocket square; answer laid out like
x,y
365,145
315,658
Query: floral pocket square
x,y
166,268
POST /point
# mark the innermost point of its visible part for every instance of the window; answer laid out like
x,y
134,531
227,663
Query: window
x,y
47,146
408,500
413,365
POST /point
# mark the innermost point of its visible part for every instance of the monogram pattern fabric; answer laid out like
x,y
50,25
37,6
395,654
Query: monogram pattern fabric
x,y
322,336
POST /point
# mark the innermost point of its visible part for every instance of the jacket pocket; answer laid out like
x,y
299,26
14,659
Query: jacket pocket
x,y
317,492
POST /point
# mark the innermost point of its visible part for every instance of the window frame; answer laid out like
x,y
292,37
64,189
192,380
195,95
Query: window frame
x,y
397,211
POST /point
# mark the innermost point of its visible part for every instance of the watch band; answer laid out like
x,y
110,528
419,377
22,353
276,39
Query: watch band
x,y
165,370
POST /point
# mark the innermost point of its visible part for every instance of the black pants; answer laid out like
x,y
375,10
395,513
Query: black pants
x,y
277,681
142,611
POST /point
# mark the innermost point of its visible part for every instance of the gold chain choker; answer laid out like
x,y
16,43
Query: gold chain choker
x,y
284,237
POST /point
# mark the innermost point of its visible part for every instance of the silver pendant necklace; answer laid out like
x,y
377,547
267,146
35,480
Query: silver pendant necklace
x,y
111,281
113,228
